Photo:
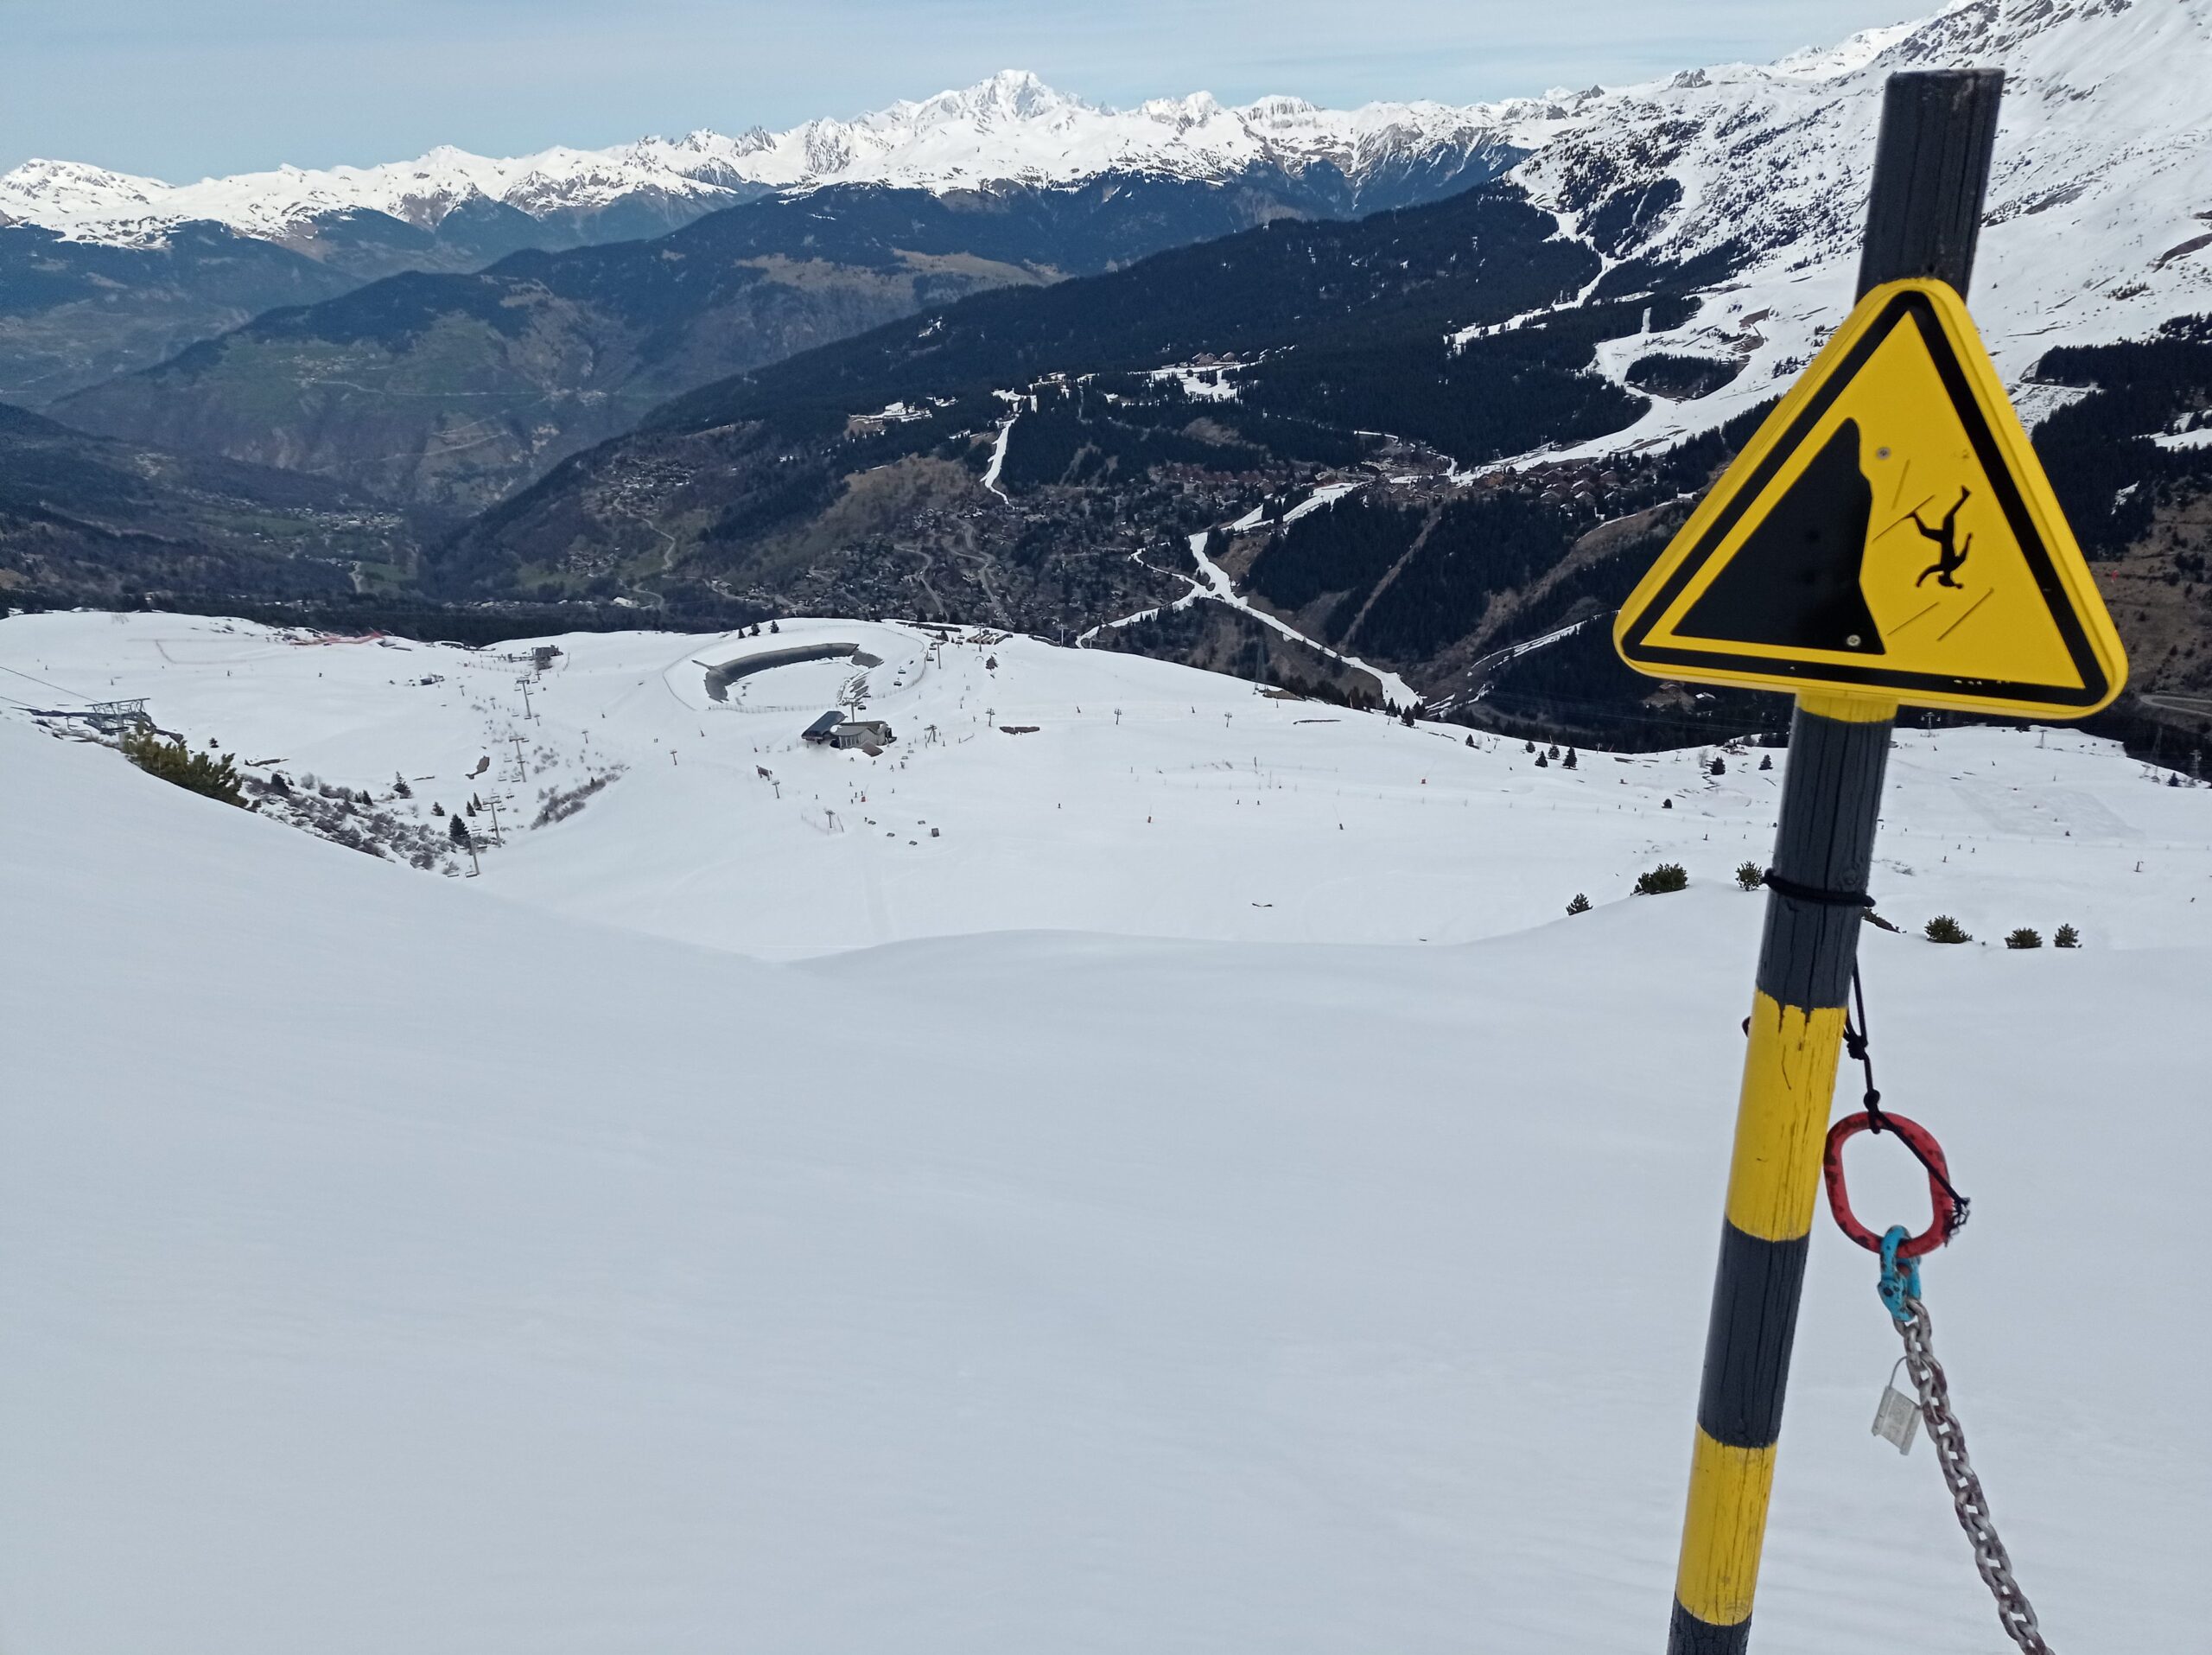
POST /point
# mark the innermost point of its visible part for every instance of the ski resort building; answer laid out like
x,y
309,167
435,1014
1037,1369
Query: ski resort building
x,y
871,735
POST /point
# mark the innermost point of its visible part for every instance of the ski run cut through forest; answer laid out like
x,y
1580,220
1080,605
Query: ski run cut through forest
x,y
1110,1159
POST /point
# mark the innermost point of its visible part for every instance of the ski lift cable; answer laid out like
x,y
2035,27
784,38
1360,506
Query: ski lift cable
x,y
48,683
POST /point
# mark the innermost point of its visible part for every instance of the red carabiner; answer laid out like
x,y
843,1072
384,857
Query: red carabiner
x,y
1946,1219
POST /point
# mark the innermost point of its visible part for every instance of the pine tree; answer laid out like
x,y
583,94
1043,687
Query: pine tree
x,y
1750,876
1766,761
1581,904
436,808
2066,937
1570,761
197,773
459,834
1944,929
399,787
2026,937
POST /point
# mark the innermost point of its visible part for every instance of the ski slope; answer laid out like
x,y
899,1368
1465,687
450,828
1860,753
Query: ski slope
x,y
1147,799
1054,1257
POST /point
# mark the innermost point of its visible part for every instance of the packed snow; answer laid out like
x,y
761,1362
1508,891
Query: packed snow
x,y
1151,1215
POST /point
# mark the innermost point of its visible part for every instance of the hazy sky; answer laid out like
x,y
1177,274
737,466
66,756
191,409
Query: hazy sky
x,y
182,90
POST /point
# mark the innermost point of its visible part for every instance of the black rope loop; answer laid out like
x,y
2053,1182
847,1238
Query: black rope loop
x,y
1857,1043
1802,892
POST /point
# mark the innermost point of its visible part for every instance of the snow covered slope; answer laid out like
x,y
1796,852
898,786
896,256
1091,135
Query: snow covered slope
x,y
1011,127
2099,215
1147,799
392,1262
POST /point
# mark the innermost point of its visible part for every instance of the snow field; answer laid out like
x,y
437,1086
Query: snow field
x,y
388,1261
1149,800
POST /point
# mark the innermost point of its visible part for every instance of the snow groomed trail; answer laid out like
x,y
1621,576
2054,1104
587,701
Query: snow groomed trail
x,y
514,1264
1222,589
1214,584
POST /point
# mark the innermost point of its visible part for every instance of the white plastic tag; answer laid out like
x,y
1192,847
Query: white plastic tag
x,y
1896,1419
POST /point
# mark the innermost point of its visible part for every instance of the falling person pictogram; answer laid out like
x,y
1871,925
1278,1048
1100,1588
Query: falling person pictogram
x,y
1950,557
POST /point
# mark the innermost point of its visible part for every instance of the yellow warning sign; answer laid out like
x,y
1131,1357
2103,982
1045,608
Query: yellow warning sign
x,y
1888,533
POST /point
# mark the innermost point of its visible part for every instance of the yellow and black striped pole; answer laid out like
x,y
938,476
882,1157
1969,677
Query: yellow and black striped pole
x,y
1837,752
1931,169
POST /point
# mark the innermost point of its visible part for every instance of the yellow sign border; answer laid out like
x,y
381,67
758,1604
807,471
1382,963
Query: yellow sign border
x,y
2007,457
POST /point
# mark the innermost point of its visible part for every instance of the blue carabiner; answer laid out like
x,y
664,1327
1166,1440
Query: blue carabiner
x,y
1900,1277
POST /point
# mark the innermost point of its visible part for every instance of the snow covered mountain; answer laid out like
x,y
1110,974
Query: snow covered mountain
x,y
1010,128
2098,225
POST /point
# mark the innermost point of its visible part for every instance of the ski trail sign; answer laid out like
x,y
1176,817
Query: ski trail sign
x,y
1888,533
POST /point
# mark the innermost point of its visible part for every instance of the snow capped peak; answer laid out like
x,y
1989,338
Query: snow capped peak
x,y
1009,95
1827,62
41,188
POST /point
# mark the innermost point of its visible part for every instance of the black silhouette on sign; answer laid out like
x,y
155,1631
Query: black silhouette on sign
x,y
1794,581
1948,559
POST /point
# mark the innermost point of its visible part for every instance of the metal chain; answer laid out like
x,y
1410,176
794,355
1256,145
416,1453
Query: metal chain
x,y
2013,1611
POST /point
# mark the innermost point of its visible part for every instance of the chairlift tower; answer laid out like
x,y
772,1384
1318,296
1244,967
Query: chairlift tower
x,y
114,714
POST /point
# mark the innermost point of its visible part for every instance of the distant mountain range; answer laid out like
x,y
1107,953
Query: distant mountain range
x,y
103,273
1009,129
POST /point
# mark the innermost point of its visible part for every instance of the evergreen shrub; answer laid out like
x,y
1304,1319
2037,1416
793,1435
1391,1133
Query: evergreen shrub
x,y
197,773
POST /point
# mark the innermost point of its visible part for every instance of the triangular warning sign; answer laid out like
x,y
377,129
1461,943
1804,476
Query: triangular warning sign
x,y
1888,533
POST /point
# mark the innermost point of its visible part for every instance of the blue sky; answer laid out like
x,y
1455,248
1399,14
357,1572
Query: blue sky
x,y
179,91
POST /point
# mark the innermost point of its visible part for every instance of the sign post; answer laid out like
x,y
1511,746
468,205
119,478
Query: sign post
x,y
1886,536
